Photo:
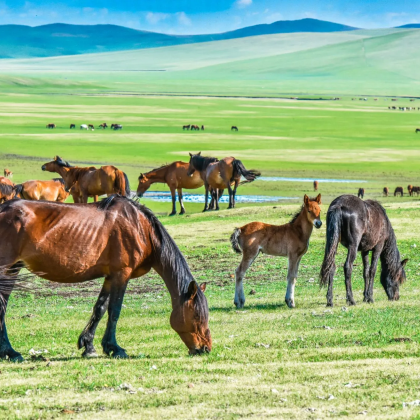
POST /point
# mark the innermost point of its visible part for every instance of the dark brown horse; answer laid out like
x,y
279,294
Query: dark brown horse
x,y
417,130
91,126
234,128
186,127
103,126
176,177
218,175
361,193
72,126
92,182
415,190
386,191
362,226
50,126
117,239
316,184
52,190
399,190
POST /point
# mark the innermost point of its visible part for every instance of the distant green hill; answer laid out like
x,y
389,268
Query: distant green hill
x,y
410,26
18,41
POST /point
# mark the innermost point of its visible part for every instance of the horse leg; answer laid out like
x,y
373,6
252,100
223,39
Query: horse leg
x,y
211,205
118,286
365,258
88,334
234,191
348,268
216,198
248,258
376,252
85,198
231,205
292,272
206,197
173,202
180,201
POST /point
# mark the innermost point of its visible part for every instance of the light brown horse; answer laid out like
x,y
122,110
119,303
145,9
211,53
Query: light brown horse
x,y
176,177
316,185
7,173
290,240
409,189
117,239
92,182
218,175
52,190
386,191
7,191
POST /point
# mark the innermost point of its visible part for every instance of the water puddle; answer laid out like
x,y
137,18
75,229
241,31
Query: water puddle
x,y
280,178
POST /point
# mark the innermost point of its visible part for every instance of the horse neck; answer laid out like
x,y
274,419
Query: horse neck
x,y
304,225
390,256
157,175
64,172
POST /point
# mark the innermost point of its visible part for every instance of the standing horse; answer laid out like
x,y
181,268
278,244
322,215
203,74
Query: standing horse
x,y
409,189
7,191
83,127
234,128
72,126
53,190
362,226
399,190
103,126
92,182
7,173
386,191
117,239
218,175
186,127
290,240
176,177
51,126
417,130
316,184
361,193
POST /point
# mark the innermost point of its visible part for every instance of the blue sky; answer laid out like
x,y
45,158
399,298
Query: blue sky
x,y
209,16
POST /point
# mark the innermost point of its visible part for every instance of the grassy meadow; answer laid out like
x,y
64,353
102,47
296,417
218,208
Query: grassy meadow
x,y
267,361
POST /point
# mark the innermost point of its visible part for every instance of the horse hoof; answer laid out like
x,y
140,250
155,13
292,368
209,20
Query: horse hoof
x,y
290,303
330,304
240,304
120,354
173,214
17,358
90,355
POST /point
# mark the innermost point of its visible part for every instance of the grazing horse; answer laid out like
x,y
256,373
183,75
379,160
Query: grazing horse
x,y
409,189
362,226
218,175
53,190
117,239
361,193
386,191
72,126
51,126
399,190
103,126
195,127
116,127
7,191
290,240
415,190
417,130
92,182
202,128
7,173
234,128
83,127
176,177
186,127
91,127
316,184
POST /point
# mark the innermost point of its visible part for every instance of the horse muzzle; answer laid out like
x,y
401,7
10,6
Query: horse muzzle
x,y
43,168
198,351
139,194
318,224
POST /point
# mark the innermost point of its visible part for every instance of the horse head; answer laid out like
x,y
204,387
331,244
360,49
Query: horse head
x,y
313,210
144,185
391,282
192,164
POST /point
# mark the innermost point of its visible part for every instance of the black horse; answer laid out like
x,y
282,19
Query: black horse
x,y
362,226
361,193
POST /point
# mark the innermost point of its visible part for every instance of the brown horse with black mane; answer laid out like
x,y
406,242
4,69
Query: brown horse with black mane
x,y
176,177
316,184
7,191
218,175
92,182
117,239
52,190
399,190
386,191
361,193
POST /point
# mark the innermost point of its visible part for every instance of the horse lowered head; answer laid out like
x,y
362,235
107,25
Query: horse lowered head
x,y
144,185
313,211
391,281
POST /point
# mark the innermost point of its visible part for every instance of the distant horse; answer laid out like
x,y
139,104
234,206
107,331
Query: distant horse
x,y
186,127
415,190
202,128
92,182
51,126
8,173
417,130
91,127
290,240
116,127
7,191
316,184
386,191
176,177
362,226
103,126
117,239
84,127
399,190
234,128
72,126
218,175
195,127
361,193
409,189
53,190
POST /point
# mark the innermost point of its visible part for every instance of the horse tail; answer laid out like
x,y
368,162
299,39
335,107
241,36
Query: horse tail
x,y
234,240
120,185
333,236
249,175
18,190
127,185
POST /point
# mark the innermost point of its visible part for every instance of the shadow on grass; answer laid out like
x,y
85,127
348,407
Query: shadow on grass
x,y
258,306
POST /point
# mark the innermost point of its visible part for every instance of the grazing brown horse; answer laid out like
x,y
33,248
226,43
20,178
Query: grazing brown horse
x,y
218,175
186,127
53,190
417,130
7,173
316,184
415,190
92,182
91,126
51,126
7,191
176,177
234,128
386,191
361,193
103,126
362,226
399,190
290,240
195,127
117,239
409,189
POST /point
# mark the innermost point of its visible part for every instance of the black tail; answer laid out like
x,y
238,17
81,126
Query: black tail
x,y
250,175
127,185
18,190
333,236
234,240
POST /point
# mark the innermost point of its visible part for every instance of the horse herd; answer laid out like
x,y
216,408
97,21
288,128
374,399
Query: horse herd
x,y
194,127
118,239
103,126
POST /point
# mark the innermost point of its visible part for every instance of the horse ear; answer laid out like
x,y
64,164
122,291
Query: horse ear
x,y
203,287
55,157
192,290
306,199
318,199
404,262
199,154
190,154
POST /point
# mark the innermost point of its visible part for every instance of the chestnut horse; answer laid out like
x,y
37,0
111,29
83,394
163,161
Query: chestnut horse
x,y
316,184
117,239
362,226
218,175
176,177
386,191
290,240
7,173
53,190
409,189
7,191
92,182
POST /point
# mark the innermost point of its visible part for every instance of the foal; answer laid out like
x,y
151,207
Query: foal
x,y
290,240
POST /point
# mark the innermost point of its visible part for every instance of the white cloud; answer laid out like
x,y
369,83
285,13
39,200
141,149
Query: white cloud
x,y
183,19
155,18
243,3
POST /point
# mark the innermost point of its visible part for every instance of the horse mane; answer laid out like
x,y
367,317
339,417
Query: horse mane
x,y
170,256
296,215
60,180
201,162
6,189
61,162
